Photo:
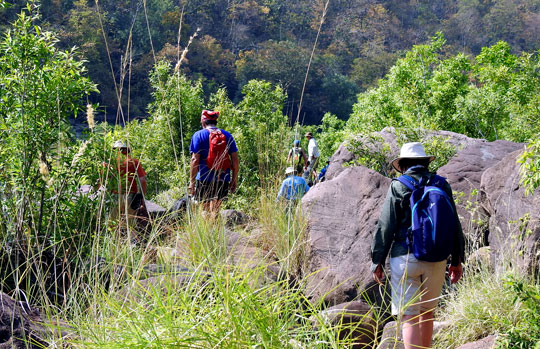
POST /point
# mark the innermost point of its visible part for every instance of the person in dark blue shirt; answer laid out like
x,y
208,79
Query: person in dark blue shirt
x,y
293,187
322,173
211,186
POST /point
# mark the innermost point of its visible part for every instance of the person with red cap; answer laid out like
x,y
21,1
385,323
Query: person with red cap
x,y
214,166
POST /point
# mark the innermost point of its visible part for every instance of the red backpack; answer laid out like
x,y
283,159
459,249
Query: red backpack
x,y
218,152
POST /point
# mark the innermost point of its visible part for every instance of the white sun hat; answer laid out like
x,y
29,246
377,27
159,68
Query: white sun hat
x,y
119,144
413,150
289,170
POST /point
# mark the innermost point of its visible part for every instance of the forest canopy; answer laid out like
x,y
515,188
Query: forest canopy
x,y
272,40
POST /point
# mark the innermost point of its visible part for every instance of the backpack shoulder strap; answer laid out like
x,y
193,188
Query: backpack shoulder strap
x,y
408,181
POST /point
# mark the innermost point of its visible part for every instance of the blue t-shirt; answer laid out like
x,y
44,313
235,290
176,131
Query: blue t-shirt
x,y
200,144
293,188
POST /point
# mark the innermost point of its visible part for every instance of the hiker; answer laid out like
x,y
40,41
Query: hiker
x,y
130,187
313,157
214,166
322,174
417,269
293,187
298,157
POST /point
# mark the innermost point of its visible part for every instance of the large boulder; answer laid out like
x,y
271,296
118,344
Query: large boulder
x,y
343,214
343,211
464,172
514,218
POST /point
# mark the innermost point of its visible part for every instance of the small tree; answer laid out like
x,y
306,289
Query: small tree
x,y
40,87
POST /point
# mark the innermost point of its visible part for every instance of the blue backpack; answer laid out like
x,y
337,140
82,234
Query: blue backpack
x,y
431,235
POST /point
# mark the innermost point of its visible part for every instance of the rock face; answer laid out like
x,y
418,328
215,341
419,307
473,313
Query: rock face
x,y
343,213
514,217
20,325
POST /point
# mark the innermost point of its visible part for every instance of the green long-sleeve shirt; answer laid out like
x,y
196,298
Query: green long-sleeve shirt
x,y
396,218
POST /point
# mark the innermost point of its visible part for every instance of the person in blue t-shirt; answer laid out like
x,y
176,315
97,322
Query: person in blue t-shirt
x,y
208,185
293,187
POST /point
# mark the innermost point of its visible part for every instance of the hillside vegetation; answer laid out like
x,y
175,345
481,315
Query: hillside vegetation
x,y
240,40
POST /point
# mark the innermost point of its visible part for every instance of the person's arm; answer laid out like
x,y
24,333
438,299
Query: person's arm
x,y
458,252
385,233
141,173
143,184
289,156
235,168
305,159
193,169
281,192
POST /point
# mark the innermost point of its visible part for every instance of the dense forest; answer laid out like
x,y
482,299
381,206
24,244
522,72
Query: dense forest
x,y
272,40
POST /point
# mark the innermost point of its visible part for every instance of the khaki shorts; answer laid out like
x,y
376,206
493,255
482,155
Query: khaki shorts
x,y
416,285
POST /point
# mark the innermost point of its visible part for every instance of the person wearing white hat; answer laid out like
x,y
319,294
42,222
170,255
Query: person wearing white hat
x,y
411,278
293,187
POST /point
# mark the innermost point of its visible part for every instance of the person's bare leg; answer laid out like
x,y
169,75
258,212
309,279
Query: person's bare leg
x,y
411,332
426,328
213,207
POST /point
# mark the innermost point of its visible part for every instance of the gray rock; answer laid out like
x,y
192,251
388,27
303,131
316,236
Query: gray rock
x,y
392,337
354,323
233,217
479,259
485,343
22,326
464,173
343,214
514,223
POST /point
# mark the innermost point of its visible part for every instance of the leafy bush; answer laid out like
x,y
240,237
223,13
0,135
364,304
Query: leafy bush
x,y
373,152
530,166
525,332
42,213
494,96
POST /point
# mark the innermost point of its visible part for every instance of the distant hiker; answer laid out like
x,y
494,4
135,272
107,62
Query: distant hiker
x,y
322,174
293,187
419,241
214,166
297,157
313,157
130,187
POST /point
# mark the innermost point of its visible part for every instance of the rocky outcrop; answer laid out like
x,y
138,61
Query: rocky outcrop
x,y
22,326
514,218
343,213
